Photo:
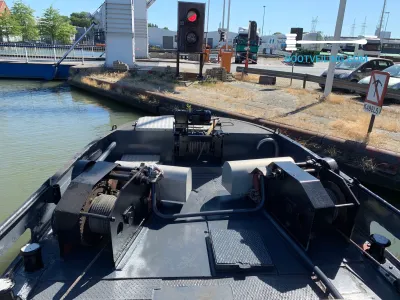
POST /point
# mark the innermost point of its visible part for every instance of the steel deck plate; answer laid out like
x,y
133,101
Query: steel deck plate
x,y
239,249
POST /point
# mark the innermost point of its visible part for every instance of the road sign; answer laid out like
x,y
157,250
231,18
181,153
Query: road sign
x,y
376,92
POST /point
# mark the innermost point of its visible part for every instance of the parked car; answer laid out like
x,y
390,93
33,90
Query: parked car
x,y
394,81
354,70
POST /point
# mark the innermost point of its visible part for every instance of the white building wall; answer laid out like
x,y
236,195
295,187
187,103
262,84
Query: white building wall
x,y
120,43
215,36
156,36
141,30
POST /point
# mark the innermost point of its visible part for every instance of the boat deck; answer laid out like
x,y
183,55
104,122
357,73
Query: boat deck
x,y
240,256
236,257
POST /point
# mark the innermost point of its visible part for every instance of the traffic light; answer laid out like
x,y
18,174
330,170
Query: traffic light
x,y
253,30
222,36
191,19
299,37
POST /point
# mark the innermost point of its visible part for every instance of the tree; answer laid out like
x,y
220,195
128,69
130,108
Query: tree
x,y
152,25
278,33
23,16
55,26
166,28
8,26
82,19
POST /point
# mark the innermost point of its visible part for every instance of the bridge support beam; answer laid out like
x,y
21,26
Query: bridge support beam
x,y
119,28
141,31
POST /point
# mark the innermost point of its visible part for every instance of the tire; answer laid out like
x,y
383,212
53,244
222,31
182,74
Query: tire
x,y
352,91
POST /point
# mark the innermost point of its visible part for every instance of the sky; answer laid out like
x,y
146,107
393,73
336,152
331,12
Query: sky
x,y
280,15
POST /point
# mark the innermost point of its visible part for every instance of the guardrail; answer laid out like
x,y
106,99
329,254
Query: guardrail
x,y
337,83
27,53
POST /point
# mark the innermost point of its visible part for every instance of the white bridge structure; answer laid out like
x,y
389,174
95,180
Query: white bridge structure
x,y
125,26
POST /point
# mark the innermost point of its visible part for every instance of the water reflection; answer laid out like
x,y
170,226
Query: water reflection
x,y
43,124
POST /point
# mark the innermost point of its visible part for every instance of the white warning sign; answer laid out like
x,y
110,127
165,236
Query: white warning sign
x,y
377,88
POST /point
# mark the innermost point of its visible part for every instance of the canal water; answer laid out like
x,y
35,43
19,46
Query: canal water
x,y
42,125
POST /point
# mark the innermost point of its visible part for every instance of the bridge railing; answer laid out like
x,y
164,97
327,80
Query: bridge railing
x,y
32,52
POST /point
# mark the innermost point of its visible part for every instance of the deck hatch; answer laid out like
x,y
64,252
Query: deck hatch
x,y
243,249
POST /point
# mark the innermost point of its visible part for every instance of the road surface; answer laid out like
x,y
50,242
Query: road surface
x,y
263,63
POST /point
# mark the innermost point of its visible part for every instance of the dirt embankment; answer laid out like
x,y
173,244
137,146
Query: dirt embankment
x,y
339,116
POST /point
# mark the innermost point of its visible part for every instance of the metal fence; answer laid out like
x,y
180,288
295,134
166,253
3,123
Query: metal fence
x,y
30,53
337,83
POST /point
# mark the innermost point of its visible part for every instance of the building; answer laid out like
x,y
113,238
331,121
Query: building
x,y
162,38
214,36
3,7
165,39
3,38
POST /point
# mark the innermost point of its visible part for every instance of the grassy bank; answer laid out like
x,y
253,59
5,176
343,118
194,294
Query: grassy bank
x,y
335,127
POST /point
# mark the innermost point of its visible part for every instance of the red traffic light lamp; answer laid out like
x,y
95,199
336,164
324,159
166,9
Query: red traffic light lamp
x,y
192,16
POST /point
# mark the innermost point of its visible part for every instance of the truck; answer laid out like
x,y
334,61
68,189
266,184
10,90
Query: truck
x,y
372,48
240,46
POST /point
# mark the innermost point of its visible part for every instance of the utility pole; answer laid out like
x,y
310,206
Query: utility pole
x,y
381,19
227,25
223,16
335,48
262,32
208,18
353,28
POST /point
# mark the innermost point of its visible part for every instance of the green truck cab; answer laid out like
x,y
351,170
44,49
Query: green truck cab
x,y
240,46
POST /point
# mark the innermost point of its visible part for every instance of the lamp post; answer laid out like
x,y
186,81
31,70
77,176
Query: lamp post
x,y
262,33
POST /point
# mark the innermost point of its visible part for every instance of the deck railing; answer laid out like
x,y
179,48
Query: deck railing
x,y
32,52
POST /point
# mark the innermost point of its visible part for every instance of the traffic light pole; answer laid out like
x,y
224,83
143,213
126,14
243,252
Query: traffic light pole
x,y
177,64
201,67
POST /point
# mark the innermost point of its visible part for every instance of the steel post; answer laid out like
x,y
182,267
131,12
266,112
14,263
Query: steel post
x,y
26,54
371,124
227,25
335,48
177,64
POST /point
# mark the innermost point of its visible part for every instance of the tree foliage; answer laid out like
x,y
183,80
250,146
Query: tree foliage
x,y
81,19
8,26
277,33
56,27
152,25
25,21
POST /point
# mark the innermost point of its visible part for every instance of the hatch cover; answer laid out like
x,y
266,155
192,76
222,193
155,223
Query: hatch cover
x,y
243,249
